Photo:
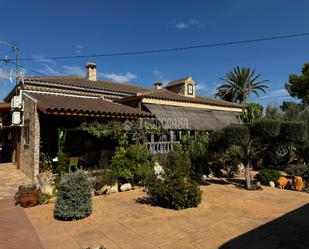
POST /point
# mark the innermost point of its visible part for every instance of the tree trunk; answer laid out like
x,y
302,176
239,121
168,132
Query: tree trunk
x,y
247,167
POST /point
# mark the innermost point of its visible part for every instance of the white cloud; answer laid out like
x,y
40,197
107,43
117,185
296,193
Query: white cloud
x,y
188,24
160,76
78,48
73,70
48,70
281,93
40,58
201,86
121,78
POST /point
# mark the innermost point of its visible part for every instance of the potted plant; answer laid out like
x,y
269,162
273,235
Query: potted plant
x,y
27,195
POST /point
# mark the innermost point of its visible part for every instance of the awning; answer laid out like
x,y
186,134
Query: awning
x,y
177,118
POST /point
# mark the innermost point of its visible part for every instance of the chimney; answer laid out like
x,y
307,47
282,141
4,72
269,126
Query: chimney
x,y
158,85
91,71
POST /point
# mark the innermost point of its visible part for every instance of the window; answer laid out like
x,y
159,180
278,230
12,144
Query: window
x,y
190,89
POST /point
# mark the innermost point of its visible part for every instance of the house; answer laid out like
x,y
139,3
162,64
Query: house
x,y
37,111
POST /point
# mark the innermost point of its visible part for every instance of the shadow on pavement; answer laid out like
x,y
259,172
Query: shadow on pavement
x,y
290,231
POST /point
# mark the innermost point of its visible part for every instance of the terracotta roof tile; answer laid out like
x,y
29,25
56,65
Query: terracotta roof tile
x,y
77,105
164,94
87,84
178,82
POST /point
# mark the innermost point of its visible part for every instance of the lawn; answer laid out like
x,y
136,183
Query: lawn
x,y
226,212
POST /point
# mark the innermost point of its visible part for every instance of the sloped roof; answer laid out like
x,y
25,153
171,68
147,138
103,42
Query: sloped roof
x,y
164,94
84,106
178,82
87,84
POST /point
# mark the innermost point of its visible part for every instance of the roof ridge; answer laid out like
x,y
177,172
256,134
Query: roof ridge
x,y
81,77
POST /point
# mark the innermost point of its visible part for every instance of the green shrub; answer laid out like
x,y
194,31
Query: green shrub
x,y
266,175
134,164
265,129
101,178
293,133
46,162
236,134
298,170
74,198
174,189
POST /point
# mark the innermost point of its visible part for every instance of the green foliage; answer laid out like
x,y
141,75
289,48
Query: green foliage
x,y
273,112
265,129
291,110
110,129
101,178
266,175
228,160
236,134
196,149
298,170
298,85
293,133
251,112
74,198
63,162
174,189
46,162
43,198
217,142
133,164
122,132
239,84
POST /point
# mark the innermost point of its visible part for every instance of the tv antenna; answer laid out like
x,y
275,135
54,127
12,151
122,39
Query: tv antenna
x,y
6,61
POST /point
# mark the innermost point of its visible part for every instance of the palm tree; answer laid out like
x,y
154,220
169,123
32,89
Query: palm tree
x,y
239,84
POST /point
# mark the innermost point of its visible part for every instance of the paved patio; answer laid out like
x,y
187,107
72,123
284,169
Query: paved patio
x,y
10,179
16,231
227,214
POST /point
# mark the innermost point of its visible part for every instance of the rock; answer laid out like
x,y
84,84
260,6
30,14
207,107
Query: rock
x,y
46,182
125,187
282,182
298,183
224,173
115,187
271,184
241,167
111,190
102,191
258,184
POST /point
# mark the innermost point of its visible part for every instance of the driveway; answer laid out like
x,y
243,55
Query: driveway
x,y
228,217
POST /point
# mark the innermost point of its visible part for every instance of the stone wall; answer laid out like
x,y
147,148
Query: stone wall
x,y
30,139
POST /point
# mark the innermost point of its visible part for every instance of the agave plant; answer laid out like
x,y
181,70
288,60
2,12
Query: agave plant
x,y
239,84
250,112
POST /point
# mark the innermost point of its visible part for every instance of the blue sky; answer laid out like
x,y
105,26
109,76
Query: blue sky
x,y
56,28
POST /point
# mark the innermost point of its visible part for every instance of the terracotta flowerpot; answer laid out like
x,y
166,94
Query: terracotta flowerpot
x,y
28,200
298,183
